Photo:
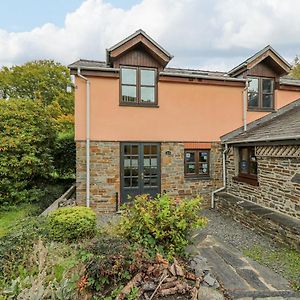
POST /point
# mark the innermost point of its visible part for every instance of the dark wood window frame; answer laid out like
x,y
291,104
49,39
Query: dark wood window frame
x,y
247,177
261,93
197,164
139,86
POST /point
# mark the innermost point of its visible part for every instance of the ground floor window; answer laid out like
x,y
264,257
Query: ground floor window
x,y
196,163
247,165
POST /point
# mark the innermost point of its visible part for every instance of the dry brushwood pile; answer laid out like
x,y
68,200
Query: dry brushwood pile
x,y
160,278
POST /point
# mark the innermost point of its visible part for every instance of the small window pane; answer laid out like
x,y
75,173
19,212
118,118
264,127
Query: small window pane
x,y
127,181
253,85
267,100
244,161
147,149
267,85
147,77
203,156
148,94
190,156
191,168
128,93
253,165
134,181
128,76
203,169
252,100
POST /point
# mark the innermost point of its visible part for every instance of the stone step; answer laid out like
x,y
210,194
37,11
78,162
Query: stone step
x,y
270,295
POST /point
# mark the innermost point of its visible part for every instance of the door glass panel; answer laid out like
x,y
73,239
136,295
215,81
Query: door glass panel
x,y
127,161
153,162
127,150
127,181
134,172
127,172
134,149
154,149
153,181
147,182
134,162
134,182
146,162
147,171
154,171
147,149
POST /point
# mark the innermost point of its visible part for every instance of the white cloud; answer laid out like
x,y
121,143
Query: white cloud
x,y
215,34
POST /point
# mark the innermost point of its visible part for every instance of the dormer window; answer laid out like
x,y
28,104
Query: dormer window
x,y
138,86
261,93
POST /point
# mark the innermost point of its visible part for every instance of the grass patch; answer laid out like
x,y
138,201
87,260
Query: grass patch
x,y
283,259
11,215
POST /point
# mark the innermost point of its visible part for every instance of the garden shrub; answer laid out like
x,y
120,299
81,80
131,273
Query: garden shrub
x,y
161,224
64,154
71,223
27,138
16,245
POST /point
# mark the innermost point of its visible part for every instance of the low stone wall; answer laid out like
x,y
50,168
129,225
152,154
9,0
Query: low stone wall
x,y
279,227
278,188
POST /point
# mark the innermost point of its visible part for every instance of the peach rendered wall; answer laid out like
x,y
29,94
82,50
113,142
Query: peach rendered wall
x,y
186,112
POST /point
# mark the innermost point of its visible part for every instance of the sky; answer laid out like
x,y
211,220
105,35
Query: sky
x,y
203,34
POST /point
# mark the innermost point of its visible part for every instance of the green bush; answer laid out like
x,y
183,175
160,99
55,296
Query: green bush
x,y
161,224
71,223
16,245
27,137
64,154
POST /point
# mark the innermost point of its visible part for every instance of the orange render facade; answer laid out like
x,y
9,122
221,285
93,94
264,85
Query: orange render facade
x,y
181,114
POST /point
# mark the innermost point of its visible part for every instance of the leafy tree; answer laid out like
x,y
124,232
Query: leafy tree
x,y
43,80
26,141
296,68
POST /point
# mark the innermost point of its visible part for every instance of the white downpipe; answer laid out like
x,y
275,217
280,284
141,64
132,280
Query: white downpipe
x,y
87,137
224,178
245,96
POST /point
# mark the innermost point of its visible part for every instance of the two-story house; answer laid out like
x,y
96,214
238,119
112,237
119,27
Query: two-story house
x,y
141,127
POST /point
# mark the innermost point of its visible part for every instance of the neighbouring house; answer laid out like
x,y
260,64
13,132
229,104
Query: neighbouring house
x,y
263,174
142,127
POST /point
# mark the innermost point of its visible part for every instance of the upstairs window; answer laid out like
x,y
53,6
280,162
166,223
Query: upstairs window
x,y
261,93
196,163
138,86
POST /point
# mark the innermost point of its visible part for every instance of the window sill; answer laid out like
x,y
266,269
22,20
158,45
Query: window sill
x,y
197,178
251,181
258,109
139,105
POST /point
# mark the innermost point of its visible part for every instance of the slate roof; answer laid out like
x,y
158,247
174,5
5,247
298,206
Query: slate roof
x,y
278,126
257,54
142,32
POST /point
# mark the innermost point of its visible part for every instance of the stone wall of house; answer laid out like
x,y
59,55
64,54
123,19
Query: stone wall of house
x,y
173,180
105,172
278,167
104,175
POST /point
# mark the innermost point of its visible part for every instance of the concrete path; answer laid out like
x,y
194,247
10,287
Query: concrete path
x,y
243,278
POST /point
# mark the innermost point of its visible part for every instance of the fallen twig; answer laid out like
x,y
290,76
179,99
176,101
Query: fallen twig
x,y
160,283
